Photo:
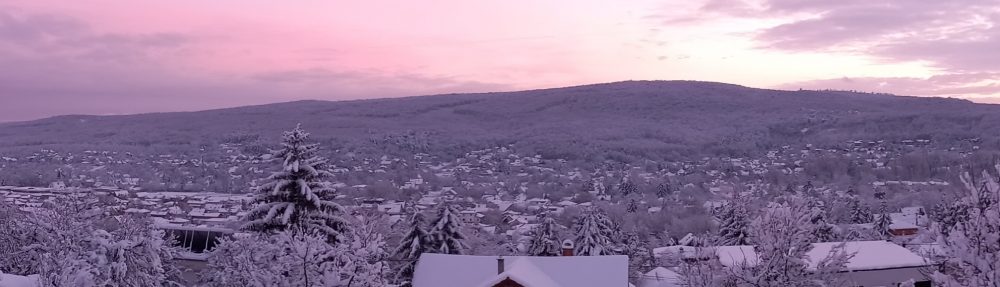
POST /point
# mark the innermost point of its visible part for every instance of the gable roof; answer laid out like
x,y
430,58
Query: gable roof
x,y
868,255
436,270
523,272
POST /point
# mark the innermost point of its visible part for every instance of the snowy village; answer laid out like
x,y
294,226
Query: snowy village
x,y
456,143
300,228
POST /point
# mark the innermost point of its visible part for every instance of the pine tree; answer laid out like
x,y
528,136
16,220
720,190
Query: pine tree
x,y
545,239
663,190
588,186
734,220
949,213
626,187
882,224
632,206
639,254
593,234
446,232
414,243
822,230
600,188
298,194
860,214
972,245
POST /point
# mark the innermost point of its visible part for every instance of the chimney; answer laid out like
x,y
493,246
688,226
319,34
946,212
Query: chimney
x,y
500,265
567,248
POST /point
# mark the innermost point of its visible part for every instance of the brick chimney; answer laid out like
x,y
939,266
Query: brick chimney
x,y
500,265
567,248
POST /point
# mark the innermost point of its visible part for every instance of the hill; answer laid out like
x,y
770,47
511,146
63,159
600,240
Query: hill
x,y
623,120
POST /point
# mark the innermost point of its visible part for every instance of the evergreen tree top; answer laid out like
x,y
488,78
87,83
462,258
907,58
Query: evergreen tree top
x,y
298,193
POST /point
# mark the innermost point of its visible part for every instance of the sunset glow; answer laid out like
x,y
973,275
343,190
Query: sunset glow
x,y
113,57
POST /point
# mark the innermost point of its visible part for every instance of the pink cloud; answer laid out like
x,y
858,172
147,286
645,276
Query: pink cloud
x,y
970,85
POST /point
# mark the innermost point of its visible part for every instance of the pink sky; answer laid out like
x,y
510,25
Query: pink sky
x,y
114,57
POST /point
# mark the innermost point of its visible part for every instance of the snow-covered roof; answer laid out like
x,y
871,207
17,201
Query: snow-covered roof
x,y
906,220
684,252
11,280
661,277
868,255
434,270
566,203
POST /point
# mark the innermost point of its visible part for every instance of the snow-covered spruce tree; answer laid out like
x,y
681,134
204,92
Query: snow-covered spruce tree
x,y
972,245
626,187
663,190
593,234
298,194
446,231
588,186
640,256
632,207
949,213
822,230
860,213
411,246
782,239
881,226
734,219
545,239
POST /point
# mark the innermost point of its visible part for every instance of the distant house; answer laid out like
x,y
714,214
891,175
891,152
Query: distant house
x,y
437,270
683,253
875,263
905,223
470,217
903,229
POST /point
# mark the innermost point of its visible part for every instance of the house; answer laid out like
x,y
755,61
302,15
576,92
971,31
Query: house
x,y
688,240
875,263
470,217
678,253
436,270
903,229
905,224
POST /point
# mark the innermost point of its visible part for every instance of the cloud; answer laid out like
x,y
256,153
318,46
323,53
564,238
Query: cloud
x,y
384,84
49,35
957,40
66,66
970,86
956,35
